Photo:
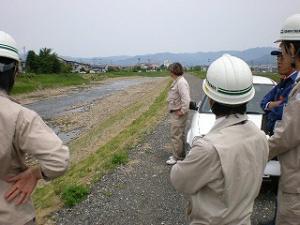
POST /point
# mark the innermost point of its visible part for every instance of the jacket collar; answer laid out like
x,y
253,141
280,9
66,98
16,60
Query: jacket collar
x,y
229,121
298,77
293,76
5,95
176,80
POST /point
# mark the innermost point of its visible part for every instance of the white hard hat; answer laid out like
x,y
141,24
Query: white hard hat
x,y
290,30
8,47
229,81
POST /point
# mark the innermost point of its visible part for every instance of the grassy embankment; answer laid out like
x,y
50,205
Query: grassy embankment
x,y
273,76
197,73
75,184
26,83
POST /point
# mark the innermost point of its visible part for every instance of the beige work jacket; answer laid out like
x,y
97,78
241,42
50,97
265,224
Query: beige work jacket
x,y
285,143
179,95
23,131
223,172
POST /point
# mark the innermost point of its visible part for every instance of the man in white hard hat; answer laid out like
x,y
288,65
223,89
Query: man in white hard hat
x,y
285,143
223,172
22,132
275,100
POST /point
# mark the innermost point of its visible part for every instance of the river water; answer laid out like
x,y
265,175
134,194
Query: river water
x,y
51,107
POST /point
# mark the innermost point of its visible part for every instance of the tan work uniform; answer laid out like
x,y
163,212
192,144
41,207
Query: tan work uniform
x,y
285,143
178,99
23,131
223,172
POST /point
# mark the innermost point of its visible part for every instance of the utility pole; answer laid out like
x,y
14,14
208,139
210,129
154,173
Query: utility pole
x,y
24,51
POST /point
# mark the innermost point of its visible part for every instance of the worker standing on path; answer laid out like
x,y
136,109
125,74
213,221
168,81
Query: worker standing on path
x,y
222,173
178,106
22,132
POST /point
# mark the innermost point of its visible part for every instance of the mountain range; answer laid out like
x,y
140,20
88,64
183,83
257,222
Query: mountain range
x,y
253,56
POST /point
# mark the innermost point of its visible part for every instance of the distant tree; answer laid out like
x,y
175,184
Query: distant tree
x,y
45,52
136,68
66,68
31,62
197,68
113,69
45,62
56,64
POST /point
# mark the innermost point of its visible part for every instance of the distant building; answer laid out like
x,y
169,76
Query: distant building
x,y
100,68
167,63
77,67
265,68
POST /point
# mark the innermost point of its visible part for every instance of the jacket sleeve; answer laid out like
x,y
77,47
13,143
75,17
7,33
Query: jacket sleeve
x,y
268,98
277,112
286,135
33,136
201,166
184,92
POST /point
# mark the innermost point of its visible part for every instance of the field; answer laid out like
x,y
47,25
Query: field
x,y
26,83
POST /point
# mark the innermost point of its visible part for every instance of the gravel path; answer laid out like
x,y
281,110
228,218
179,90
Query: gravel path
x,y
140,193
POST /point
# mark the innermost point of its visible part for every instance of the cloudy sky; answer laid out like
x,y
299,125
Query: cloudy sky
x,y
90,28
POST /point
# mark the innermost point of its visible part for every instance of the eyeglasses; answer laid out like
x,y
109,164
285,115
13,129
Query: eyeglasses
x,y
6,67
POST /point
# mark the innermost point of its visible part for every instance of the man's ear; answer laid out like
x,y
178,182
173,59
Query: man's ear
x,y
211,102
292,49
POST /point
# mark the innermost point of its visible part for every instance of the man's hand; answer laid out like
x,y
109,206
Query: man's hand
x,y
23,185
179,113
274,104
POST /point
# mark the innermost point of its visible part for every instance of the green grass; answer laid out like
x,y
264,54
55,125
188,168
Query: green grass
x,y
120,158
26,83
273,76
127,74
197,73
73,194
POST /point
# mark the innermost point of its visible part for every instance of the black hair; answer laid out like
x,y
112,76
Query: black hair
x,y
7,78
225,110
296,44
176,68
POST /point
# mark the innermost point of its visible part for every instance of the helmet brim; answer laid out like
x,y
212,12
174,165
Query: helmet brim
x,y
224,99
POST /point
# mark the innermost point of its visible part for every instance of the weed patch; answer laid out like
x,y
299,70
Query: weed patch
x,y
73,194
119,159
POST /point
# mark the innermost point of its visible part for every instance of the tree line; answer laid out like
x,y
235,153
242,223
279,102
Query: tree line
x,y
45,62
